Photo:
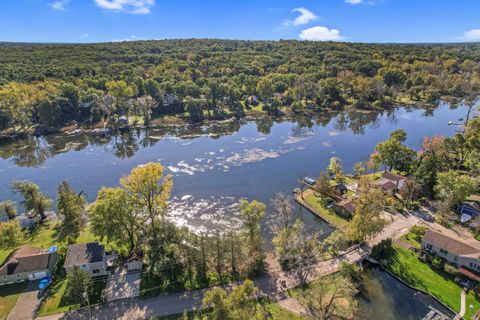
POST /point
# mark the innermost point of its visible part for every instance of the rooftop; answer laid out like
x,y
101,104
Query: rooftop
x,y
26,259
453,245
84,253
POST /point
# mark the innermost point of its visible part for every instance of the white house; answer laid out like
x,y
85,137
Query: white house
x,y
465,255
90,257
27,263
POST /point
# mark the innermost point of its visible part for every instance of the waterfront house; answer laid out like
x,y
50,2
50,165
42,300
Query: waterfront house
x,y
28,263
90,257
463,254
344,208
391,182
340,190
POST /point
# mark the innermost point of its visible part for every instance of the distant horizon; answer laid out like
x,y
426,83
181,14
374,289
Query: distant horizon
x,y
245,40
357,21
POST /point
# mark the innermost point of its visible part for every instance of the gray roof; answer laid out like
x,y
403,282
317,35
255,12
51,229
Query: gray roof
x,y
26,259
455,246
84,253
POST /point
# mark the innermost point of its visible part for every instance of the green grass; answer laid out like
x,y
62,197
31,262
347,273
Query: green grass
x,y
8,298
421,275
44,237
414,237
55,302
275,311
327,214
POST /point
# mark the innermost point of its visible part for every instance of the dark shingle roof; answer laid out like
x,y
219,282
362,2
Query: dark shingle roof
x,y
26,259
84,253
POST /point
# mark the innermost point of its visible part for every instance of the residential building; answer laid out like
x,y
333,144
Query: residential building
x,y
465,255
28,263
90,257
391,182
344,208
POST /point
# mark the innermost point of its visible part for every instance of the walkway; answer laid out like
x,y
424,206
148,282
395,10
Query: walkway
x,y
463,298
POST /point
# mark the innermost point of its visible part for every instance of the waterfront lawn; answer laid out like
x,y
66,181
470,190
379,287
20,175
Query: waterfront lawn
x,y
421,275
9,295
43,236
329,215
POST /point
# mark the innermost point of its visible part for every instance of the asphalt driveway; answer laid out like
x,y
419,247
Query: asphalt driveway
x,y
27,304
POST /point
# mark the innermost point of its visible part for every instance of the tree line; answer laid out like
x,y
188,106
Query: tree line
x,y
44,86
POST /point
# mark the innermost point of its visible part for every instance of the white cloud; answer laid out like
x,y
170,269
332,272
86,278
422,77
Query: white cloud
x,y
60,5
320,33
131,6
131,38
85,35
353,1
471,35
305,17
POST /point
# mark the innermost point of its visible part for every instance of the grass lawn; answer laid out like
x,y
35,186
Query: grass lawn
x,y
44,237
275,311
328,214
55,301
421,275
414,237
8,298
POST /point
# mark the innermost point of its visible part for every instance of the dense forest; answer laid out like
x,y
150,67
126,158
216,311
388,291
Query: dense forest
x,y
44,86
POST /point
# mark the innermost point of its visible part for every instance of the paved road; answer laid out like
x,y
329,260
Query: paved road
x,y
27,303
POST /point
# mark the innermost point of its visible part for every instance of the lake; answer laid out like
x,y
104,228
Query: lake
x,y
215,165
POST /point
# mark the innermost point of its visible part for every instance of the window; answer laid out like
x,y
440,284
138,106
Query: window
x,y
95,271
445,252
429,246
455,258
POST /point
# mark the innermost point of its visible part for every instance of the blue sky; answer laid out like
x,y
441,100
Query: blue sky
x,y
342,20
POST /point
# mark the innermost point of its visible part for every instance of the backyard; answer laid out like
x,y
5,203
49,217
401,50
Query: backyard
x,y
407,266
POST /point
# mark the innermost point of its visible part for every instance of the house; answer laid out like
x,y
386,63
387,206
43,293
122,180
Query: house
x,y
134,262
465,255
90,257
252,101
391,182
169,99
28,263
344,208
340,190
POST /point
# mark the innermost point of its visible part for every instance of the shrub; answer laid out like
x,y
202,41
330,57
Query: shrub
x,y
451,270
437,263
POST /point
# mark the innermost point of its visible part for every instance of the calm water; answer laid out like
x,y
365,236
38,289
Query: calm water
x,y
384,297
214,166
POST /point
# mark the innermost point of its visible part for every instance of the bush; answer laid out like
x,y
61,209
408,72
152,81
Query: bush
x,y
418,230
438,263
451,270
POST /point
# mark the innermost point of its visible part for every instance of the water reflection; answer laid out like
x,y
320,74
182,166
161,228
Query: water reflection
x,y
34,151
384,297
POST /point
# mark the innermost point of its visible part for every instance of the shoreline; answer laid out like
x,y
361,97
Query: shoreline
x,y
172,121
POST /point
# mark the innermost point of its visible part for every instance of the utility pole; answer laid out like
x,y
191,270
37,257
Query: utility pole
x,y
85,295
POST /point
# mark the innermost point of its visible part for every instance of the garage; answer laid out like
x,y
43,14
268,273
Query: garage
x,y
37,275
